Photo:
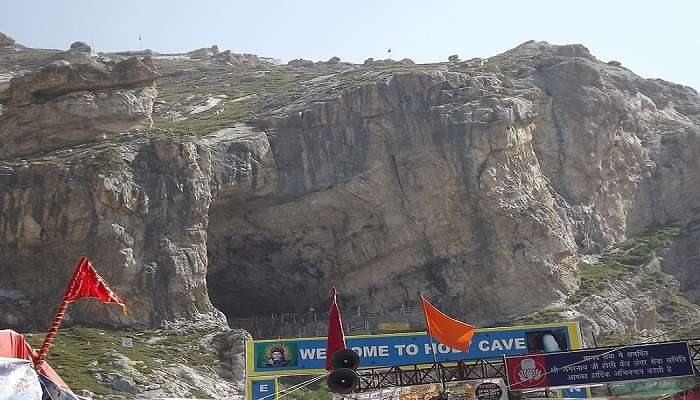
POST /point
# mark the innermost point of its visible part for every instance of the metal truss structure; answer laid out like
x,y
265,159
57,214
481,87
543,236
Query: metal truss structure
x,y
415,374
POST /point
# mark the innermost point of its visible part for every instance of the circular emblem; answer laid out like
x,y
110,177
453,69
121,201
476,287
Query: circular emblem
x,y
529,373
488,391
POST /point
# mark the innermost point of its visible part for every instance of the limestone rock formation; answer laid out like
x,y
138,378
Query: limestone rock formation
x,y
72,102
6,41
62,77
300,62
465,181
204,53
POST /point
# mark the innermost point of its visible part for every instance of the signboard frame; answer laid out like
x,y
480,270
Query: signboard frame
x,y
571,328
249,387
595,355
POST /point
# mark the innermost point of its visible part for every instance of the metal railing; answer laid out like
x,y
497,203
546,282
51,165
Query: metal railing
x,y
409,375
311,324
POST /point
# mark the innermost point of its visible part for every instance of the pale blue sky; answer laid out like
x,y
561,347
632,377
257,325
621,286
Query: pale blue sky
x,y
656,39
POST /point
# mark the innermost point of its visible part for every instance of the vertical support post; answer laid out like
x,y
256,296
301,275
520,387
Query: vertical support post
x,y
51,335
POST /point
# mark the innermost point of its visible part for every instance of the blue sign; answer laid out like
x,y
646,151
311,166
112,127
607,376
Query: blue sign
x,y
575,393
300,356
600,366
263,389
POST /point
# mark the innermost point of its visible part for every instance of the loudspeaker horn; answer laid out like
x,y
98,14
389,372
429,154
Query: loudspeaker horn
x,y
343,381
345,358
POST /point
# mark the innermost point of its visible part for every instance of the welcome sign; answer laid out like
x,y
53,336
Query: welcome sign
x,y
308,355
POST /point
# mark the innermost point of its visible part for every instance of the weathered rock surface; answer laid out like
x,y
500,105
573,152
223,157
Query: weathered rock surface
x,y
6,40
68,103
204,53
300,62
61,77
159,364
464,181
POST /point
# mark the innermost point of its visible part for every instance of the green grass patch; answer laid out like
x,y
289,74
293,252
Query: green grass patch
x,y
596,277
615,340
76,350
652,281
674,317
544,316
622,259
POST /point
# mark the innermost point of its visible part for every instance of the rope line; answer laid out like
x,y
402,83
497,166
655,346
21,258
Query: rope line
x,y
296,387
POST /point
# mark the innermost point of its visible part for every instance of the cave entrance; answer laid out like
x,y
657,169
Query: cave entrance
x,y
257,277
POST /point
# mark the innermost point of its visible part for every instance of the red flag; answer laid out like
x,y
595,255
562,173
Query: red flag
x,y
86,282
336,337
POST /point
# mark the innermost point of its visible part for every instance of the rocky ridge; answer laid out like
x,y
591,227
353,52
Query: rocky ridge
x,y
480,183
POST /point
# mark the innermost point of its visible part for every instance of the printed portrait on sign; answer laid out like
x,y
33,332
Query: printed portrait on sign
x,y
276,355
546,341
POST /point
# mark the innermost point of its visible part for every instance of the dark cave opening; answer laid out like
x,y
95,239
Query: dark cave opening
x,y
256,278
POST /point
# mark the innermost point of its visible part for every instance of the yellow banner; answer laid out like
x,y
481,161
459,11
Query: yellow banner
x,y
393,326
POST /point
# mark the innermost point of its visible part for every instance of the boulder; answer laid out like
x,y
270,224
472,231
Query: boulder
x,y
369,61
223,57
79,52
300,62
614,63
6,40
204,53
453,58
334,60
81,47
406,61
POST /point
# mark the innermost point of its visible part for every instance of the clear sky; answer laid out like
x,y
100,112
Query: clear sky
x,y
654,38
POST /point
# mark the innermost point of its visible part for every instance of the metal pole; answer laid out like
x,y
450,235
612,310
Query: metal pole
x,y
433,349
595,340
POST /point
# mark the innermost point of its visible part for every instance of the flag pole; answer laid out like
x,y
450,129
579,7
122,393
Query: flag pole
x,y
51,335
84,283
433,349
57,320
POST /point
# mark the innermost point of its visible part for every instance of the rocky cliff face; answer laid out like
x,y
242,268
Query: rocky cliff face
x,y
478,183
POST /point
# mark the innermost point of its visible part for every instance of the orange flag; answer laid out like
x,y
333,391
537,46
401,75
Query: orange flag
x,y
86,282
448,331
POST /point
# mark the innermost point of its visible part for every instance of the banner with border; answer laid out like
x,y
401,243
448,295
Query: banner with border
x,y
306,356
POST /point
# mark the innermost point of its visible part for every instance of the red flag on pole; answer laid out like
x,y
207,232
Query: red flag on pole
x,y
336,336
86,282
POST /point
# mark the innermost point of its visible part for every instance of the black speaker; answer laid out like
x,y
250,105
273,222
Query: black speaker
x,y
343,380
345,358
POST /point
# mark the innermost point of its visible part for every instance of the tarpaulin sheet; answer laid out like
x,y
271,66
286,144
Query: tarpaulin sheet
x,y
18,380
13,345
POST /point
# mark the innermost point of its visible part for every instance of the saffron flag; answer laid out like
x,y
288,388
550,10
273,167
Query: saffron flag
x,y
336,337
86,282
448,331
